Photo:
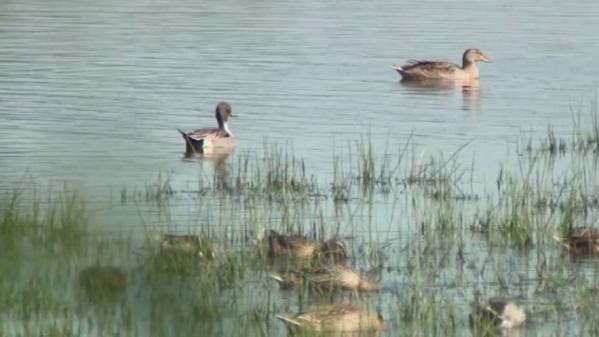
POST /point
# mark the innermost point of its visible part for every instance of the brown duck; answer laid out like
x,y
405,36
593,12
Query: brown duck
x,y
186,244
327,277
334,318
581,240
440,70
300,247
207,139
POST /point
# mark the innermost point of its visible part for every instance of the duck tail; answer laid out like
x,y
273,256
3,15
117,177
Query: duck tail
x,y
288,320
192,146
399,69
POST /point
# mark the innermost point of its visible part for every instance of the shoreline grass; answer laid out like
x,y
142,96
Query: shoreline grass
x,y
405,218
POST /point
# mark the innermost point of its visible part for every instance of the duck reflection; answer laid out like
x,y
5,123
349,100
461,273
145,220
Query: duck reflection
x,y
470,89
218,158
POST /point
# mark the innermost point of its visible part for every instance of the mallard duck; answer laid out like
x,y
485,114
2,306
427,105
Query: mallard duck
x,y
334,318
502,314
327,277
581,240
186,244
423,70
207,139
300,247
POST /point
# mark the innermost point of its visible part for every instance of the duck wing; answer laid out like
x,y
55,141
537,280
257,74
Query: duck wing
x,y
208,133
195,141
422,69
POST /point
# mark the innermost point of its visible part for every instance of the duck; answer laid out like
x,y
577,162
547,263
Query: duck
x,y
581,240
300,247
498,313
327,277
332,250
440,70
185,244
334,318
206,140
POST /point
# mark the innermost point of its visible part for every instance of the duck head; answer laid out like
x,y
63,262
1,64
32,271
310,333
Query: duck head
x,y
223,112
473,55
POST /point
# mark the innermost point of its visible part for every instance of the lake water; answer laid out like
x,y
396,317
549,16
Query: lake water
x,y
92,92
90,89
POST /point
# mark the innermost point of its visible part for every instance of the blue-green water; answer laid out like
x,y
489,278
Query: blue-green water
x,y
91,93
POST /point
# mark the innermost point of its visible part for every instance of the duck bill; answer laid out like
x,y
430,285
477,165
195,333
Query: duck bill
x,y
484,58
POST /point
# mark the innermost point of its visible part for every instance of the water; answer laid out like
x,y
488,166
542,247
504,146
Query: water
x,y
92,92
88,89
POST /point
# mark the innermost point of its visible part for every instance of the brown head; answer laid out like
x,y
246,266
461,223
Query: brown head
x,y
473,55
332,250
223,112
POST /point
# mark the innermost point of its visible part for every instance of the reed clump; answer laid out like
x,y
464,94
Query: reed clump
x,y
62,219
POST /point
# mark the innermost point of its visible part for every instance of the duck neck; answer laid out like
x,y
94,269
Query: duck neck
x,y
222,124
470,67
226,128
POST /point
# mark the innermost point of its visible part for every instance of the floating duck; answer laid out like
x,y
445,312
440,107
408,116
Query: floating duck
x,y
208,140
327,277
581,240
440,70
300,247
186,244
334,318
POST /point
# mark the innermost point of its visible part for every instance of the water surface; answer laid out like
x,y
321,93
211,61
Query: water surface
x,y
92,93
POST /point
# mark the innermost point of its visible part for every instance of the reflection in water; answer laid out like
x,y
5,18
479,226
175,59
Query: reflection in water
x,y
471,95
218,157
102,283
470,89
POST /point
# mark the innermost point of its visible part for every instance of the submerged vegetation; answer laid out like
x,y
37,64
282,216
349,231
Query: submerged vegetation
x,y
434,240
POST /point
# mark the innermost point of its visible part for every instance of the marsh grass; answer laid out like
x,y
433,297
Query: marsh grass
x,y
443,243
583,141
425,313
62,219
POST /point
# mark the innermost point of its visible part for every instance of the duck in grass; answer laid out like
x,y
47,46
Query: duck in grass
x,y
581,240
334,318
440,70
209,140
300,247
327,277
498,313
184,244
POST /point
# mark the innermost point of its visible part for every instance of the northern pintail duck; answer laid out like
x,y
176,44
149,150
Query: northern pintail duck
x,y
334,318
185,244
581,240
327,277
498,313
423,69
300,247
206,139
